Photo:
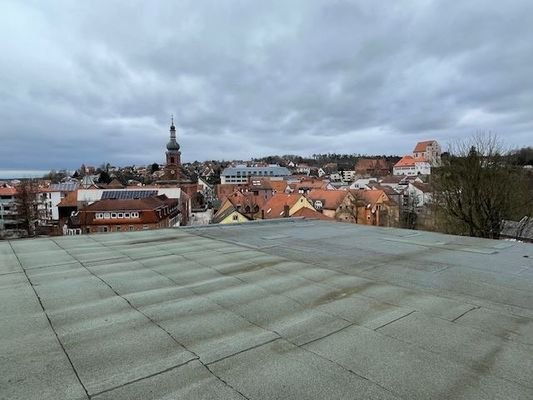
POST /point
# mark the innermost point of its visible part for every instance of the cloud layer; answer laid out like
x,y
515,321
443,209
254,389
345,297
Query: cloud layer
x,y
97,81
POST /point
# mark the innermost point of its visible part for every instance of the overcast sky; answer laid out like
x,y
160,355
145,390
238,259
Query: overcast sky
x,y
94,81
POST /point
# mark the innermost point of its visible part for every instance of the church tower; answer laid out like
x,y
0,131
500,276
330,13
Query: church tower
x,y
173,164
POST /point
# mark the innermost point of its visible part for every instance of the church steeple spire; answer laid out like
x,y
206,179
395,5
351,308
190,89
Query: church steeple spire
x,y
172,145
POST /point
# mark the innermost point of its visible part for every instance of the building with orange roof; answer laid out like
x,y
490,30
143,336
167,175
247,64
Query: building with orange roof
x,y
307,213
372,167
335,204
279,186
283,205
224,190
426,154
246,204
412,166
67,208
307,185
115,215
375,207
429,150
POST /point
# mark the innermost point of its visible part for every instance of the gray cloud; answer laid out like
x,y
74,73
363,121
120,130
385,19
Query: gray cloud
x,y
96,81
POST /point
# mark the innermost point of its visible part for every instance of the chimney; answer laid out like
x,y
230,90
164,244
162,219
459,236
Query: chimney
x,y
286,209
262,214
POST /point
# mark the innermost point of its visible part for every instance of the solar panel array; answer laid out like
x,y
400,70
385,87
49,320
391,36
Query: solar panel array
x,y
64,187
128,194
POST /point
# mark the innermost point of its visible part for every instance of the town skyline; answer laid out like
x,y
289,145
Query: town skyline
x,y
99,81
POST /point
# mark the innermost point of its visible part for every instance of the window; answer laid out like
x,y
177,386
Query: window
x,y
117,228
106,215
126,215
113,215
145,227
121,215
235,217
132,228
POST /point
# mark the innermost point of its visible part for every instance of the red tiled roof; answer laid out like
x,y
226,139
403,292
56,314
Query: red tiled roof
x,y
331,199
239,199
224,190
409,161
310,184
8,191
421,146
275,206
371,164
369,197
308,213
406,161
373,196
278,186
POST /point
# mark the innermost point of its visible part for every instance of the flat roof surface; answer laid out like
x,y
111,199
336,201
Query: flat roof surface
x,y
281,310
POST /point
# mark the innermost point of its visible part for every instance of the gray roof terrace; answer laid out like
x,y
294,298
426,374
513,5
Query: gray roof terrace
x,y
280,310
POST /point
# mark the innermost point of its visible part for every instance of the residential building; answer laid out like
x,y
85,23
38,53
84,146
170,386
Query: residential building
x,y
76,201
426,154
419,193
303,169
391,193
336,204
114,215
230,215
428,150
374,207
372,167
48,200
347,175
305,186
69,222
9,218
283,205
245,204
335,177
412,166
308,213
363,183
240,174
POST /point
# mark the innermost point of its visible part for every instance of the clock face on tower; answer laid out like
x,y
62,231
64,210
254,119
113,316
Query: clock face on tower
x,y
172,172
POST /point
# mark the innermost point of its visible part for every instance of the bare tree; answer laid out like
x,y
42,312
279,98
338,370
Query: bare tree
x,y
26,206
476,188
409,214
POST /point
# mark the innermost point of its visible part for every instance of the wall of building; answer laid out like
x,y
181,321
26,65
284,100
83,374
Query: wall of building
x,y
301,203
233,218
